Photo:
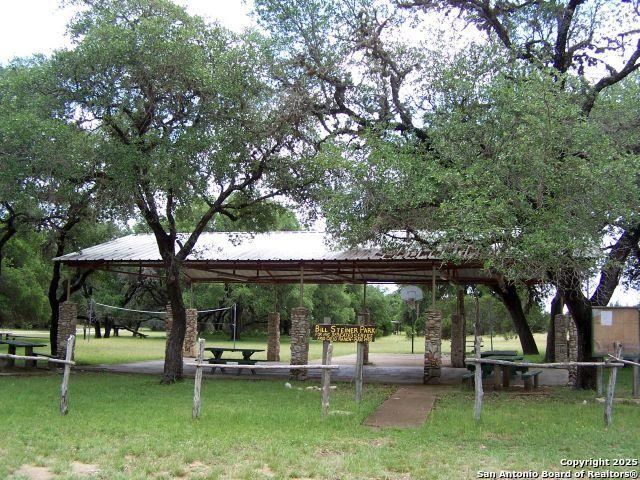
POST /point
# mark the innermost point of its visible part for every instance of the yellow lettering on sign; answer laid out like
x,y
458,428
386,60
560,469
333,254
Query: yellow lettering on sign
x,y
345,333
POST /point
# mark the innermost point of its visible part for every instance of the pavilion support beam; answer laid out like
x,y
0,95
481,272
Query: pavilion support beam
x,y
273,337
189,347
432,346
299,341
458,335
560,338
572,350
67,322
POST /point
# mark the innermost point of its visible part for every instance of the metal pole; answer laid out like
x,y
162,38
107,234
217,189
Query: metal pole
x,y
234,325
491,320
433,287
413,327
364,297
302,286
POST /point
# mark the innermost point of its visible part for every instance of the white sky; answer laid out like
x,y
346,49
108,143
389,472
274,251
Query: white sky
x,y
38,26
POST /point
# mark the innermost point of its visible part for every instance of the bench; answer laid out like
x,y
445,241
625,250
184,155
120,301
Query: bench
x,y
46,356
527,376
218,361
468,379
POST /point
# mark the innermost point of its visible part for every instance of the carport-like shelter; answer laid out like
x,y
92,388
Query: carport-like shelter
x,y
297,257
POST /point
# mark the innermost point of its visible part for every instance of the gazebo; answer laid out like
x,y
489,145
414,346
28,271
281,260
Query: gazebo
x,y
293,257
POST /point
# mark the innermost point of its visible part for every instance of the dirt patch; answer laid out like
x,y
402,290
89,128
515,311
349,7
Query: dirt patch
x,y
266,471
197,468
79,468
325,452
33,473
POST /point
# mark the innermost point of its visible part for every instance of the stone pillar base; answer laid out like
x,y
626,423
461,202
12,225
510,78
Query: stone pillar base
x,y
273,337
458,340
299,341
189,347
572,349
560,339
432,345
67,321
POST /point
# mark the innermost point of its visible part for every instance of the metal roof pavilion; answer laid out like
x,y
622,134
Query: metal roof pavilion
x,y
280,257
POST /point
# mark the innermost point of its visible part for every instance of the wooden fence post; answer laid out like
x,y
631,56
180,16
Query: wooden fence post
x,y
599,381
326,382
64,397
359,368
613,373
478,366
198,380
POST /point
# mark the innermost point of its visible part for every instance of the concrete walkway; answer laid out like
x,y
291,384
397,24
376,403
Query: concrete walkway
x,y
386,368
407,407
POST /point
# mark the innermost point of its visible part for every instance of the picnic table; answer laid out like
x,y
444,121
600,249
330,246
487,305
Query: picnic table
x,y
246,357
28,351
502,373
6,335
506,371
499,353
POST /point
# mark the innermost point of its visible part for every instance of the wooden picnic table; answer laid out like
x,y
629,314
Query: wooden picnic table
x,y
6,335
506,371
28,351
502,373
246,357
499,353
246,352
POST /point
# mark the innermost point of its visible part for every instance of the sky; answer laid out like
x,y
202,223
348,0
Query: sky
x,y
38,26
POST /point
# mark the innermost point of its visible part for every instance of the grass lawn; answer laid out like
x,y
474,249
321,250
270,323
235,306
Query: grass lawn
x,y
131,427
129,349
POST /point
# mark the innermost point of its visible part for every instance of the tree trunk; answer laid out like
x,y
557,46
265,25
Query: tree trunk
x,y
508,293
96,326
173,351
54,302
557,306
108,325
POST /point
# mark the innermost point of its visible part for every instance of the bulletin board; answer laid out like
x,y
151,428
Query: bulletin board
x,y
616,324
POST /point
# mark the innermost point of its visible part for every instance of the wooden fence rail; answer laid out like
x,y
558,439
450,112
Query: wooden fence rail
x,y
616,363
67,362
28,357
200,364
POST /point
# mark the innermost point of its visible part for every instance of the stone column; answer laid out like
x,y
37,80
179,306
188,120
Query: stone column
x,y
168,323
299,341
458,340
432,345
560,340
572,347
67,321
189,348
364,318
273,337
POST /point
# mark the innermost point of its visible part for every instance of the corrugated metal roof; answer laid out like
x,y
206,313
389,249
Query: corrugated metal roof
x,y
280,257
235,246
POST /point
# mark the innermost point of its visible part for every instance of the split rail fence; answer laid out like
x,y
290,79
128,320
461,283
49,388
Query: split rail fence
x,y
201,363
67,362
614,363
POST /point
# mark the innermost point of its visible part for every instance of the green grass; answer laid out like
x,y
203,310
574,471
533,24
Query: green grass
x,y
126,348
134,428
